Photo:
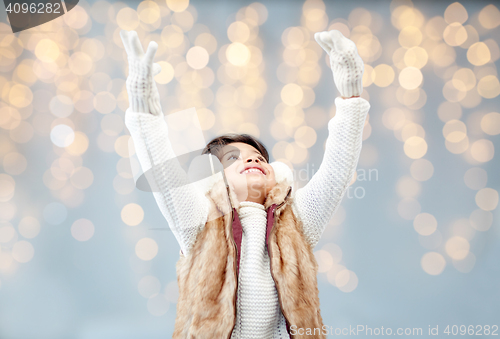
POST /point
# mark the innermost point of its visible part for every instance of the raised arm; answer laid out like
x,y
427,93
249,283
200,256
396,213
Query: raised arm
x,y
184,207
317,201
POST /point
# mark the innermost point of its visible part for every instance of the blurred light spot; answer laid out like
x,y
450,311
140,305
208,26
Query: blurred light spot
x,y
77,18
383,75
132,214
7,187
238,54
346,281
435,28
80,63
415,57
475,178
393,118
455,34
149,12
146,249
433,263
29,227
490,123
410,36
488,87
305,136
464,79
425,224
454,131
121,146
324,259
177,5
47,50
238,31
451,93
185,20
410,78
292,94
481,220
404,16
482,150
487,199
167,73
421,169
455,12
62,135
457,247
197,57
332,273
489,17
172,36
20,95
415,147
82,229
127,19
149,286
79,145
478,54
23,251
207,41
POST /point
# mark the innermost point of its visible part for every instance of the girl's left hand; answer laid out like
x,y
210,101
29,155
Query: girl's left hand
x,y
346,64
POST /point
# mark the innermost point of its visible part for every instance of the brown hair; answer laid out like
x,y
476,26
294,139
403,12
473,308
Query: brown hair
x,y
216,144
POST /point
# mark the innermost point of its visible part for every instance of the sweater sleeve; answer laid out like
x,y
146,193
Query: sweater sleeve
x,y
183,205
317,201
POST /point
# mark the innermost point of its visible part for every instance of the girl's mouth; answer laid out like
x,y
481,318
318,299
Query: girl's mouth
x,y
252,170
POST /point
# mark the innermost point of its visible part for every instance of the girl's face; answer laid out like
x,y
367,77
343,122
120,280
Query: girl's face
x,y
247,171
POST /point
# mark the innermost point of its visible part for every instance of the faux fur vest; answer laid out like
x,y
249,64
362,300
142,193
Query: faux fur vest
x,y
207,276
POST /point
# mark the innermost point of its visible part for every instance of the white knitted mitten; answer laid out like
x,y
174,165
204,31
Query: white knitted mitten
x,y
345,61
141,87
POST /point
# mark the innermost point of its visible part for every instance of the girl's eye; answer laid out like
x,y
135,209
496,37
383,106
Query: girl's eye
x,y
232,156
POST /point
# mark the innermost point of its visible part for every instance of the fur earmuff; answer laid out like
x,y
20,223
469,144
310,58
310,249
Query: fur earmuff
x,y
282,172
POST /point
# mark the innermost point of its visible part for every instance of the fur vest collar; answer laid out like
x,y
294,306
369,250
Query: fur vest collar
x,y
207,276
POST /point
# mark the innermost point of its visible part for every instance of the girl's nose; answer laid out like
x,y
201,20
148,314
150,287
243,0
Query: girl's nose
x,y
253,159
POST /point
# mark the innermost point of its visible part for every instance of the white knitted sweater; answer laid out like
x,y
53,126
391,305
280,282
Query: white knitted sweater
x,y
186,208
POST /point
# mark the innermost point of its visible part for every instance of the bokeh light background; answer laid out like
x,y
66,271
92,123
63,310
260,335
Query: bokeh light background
x,y
416,241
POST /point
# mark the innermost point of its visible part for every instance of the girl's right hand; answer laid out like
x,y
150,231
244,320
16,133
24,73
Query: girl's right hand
x,y
141,87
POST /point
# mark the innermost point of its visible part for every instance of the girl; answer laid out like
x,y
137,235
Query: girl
x,y
246,267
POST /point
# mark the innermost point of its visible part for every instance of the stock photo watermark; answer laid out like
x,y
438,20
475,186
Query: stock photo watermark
x,y
26,14
448,330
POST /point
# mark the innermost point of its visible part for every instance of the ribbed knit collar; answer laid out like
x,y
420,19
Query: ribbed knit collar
x,y
250,211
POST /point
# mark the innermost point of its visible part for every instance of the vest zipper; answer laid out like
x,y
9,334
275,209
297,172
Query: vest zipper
x,y
234,269
271,255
